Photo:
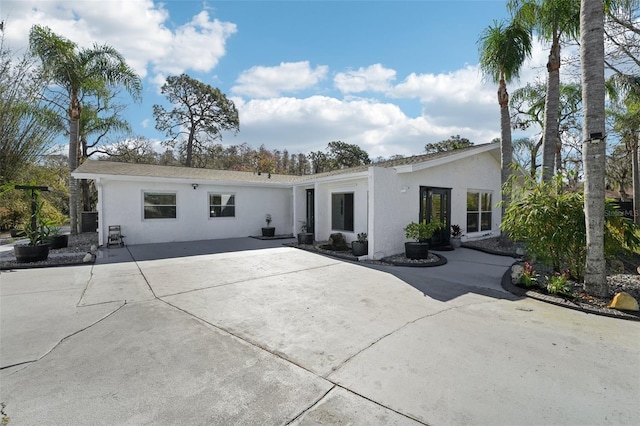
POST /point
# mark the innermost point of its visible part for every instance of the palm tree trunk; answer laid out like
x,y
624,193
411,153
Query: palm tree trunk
x,y
635,177
551,111
74,116
506,147
594,147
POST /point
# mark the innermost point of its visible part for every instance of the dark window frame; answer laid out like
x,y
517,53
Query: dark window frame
x,y
222,208
157,211
347,211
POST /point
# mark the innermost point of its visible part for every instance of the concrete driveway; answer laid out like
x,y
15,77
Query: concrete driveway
x,y
250,332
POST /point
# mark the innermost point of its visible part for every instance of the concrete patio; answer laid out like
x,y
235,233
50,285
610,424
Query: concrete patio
x,y
245,331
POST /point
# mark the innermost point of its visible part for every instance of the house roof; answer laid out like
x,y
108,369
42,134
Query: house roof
x,y
92,168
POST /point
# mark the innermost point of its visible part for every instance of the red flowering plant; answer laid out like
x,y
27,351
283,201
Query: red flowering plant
x,y
529,276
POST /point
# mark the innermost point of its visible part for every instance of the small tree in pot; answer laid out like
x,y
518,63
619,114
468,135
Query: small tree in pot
x,y
421,233
36,229
360,247
305,237
268,231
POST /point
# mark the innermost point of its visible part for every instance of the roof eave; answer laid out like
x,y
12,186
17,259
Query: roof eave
x,y
408,168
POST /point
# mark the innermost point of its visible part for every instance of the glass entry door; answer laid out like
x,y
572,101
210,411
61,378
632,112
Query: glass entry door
x,y
435,204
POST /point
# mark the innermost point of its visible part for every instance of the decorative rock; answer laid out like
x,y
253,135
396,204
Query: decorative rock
x,y
87,258
624,302
94,248
638,269
516,273
337,242
616,266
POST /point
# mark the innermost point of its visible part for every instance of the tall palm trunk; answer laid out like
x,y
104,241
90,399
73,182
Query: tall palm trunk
x,y
551,111
635,177
74,117
594,147
506,147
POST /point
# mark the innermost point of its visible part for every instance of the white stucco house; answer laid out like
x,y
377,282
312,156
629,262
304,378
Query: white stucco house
x,y
155,204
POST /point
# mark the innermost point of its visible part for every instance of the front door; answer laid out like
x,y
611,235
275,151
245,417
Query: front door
x,y
435,204
310,208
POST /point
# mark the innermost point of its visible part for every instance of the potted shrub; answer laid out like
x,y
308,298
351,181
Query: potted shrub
x,y
37,231
456,234
304,237
57,240
268,231
360,247
420,233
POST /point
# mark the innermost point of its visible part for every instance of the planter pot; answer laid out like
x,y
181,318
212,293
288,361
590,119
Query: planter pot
x,y
17,233
26,254
305,238
359,249
58,241
455,242
416,250
268,232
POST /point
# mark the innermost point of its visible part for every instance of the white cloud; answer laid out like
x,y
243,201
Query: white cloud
x,y
139,29
382,129
373,78
288,77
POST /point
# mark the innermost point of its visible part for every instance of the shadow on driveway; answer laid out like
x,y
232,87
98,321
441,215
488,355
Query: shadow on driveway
x,y
467,271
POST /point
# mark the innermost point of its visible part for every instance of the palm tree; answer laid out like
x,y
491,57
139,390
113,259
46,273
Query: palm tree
x,y
503,50
594,147
554,21
80,72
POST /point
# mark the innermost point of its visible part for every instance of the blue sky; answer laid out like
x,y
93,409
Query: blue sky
x,y
389,76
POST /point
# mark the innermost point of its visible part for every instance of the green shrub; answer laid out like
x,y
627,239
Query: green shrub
x,y
559,284
552,224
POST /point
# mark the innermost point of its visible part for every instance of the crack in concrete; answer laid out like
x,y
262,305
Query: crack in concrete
x,y
236,282
67,337
431,315
142,273
315,403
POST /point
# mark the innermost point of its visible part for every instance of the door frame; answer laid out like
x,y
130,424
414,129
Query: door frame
x,y
440,237
310,212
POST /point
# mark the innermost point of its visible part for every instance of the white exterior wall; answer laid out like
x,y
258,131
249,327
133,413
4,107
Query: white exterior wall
x,y
323,192
390,210
121,203
395,199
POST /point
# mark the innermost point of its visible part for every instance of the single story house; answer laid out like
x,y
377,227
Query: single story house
x,y
154,204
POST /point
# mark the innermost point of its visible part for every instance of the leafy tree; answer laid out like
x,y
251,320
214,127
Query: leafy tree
x,y
622,35
133,150
624,111
343,155
26,128
454,142
554,21
618,170
320,162
503,50
528,104
201,112
79,71
593,98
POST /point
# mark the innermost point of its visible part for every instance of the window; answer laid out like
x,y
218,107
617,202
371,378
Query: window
x,y
342,212
159,205
478,211
222,205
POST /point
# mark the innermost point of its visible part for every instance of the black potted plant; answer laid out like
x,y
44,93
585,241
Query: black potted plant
x,y
360,247
304,237
56,239
268,231
37,231
421,233
456,234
